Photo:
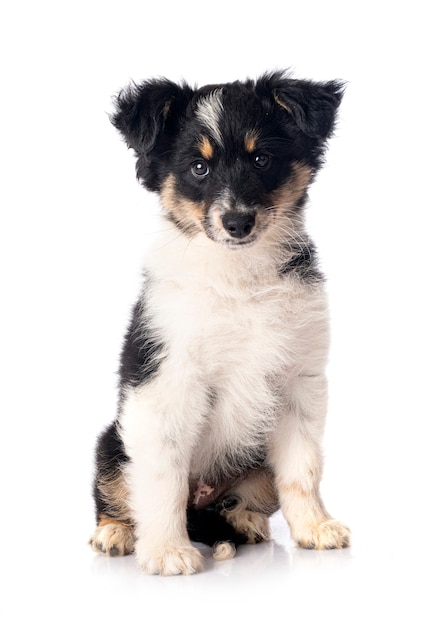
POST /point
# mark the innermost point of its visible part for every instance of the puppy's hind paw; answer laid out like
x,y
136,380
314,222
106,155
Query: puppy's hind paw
x,y
254,526
113,539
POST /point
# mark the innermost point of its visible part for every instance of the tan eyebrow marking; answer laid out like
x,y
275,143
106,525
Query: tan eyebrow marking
x,y
205,147
250,141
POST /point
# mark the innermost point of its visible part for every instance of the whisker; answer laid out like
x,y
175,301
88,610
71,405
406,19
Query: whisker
x,y
287,232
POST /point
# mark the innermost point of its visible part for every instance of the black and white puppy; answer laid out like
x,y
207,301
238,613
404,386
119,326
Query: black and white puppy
x,y
222,379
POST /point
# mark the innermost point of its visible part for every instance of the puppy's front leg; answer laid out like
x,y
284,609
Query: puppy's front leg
x,y
297,461
159,448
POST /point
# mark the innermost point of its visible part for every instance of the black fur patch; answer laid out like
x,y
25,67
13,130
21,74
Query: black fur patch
x,y
303,263
208,526
142,352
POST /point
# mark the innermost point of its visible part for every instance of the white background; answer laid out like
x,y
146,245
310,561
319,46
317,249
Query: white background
x,y
74,226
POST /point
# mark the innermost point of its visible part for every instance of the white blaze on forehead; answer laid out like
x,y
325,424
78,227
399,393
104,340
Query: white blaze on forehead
x,y
209,112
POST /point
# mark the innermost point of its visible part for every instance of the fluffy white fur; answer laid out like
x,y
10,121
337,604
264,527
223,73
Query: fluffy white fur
x,y
209,111
231,323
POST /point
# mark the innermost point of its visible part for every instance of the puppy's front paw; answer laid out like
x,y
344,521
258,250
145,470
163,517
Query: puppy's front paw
x,y
169,560
327,535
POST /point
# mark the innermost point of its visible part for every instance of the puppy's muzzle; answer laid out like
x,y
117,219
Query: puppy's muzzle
x,y
239,225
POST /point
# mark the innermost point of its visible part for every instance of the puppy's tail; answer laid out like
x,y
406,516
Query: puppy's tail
x,y
209,527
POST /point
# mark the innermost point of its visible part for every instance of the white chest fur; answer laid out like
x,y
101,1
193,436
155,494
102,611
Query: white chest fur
x,y
235,333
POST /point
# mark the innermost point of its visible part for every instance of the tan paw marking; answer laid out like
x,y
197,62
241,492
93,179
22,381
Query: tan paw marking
x,y
170,560
254,525
324,536
113,539
224,550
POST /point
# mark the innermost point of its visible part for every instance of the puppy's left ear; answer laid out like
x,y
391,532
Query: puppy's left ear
x,y
312,105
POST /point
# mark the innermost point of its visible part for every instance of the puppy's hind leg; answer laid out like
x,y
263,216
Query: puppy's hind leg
x,y
248,504
114,535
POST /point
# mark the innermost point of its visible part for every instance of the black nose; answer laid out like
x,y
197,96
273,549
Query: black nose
x,y
239,225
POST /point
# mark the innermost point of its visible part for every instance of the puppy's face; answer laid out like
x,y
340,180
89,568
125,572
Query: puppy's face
x,y
233,169
229,160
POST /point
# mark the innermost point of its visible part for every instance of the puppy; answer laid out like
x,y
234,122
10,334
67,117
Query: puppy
x,y
222,377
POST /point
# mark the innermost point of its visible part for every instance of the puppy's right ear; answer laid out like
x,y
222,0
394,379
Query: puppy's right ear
x,y
147,115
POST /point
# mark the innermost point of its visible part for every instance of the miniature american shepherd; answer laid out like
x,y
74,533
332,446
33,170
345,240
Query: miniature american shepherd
x,y
223,392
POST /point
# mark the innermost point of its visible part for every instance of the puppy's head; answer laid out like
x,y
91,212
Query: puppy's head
x,y
229,160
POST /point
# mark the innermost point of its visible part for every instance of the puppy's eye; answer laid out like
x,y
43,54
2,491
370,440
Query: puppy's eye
x,y
262,161
199,168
